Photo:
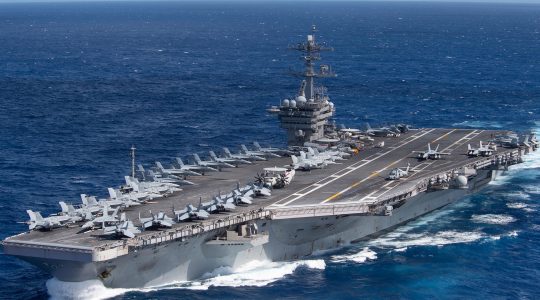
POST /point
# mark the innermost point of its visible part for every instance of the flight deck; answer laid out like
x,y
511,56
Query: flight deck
x,y
359,179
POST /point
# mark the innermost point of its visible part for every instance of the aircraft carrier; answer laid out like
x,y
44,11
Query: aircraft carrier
x,y
326,207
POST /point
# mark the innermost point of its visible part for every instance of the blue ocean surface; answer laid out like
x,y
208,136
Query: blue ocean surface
x,y
81,82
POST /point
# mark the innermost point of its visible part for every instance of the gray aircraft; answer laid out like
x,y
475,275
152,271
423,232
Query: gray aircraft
x,y
306,164
381,131
263,154
182,171
153,177
123,229
241,155
102,220
37,222
210,163
156,220
217,205
480,151
76,214
194,167
191,213
397,173
277,151
233,161
430,153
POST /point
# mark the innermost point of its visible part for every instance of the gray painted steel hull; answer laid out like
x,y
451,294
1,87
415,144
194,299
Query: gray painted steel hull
x,y
289,239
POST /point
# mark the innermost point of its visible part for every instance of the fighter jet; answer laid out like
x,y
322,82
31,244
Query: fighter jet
x,y
480,151
90,203
232,161
275,152
127,200
303,163
382,131
195,167
123,229
37,222
191,213
76,215
156,221
217,205
398,173
430,153
153,189
173,179
103,220
263,154
183,171
241,155
210,163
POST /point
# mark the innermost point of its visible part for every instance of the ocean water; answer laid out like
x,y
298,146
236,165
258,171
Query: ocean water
x,y
80,83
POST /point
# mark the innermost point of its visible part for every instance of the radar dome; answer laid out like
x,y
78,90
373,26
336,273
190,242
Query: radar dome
x,y
292,103
301,99
285,103
462,181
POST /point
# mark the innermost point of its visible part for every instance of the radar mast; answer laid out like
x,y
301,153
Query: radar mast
x,y
306,117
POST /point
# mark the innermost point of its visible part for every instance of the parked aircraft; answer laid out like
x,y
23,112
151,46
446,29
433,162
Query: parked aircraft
x,y
37,222
241,155
124,228
430,153
158,220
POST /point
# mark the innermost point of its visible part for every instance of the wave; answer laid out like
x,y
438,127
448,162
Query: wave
x,y
493,219
360,257
255,273
87,290
519,205
427,239
479,124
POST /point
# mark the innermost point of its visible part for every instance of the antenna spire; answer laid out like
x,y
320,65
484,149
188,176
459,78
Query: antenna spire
x,y
133,160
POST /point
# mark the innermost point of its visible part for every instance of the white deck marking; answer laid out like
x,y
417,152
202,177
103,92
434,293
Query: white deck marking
x,y
420,167
336,175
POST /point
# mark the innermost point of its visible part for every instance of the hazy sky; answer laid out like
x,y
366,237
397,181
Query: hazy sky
x,y
472,1
487,1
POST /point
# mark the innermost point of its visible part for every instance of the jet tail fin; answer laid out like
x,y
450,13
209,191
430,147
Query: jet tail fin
x,y
244,148
32,215
64,207
160,166
197,158
257,145
179,162
212,155
112,193
38,216
227,151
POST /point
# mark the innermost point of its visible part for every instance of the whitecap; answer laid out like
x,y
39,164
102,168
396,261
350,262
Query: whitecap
x,y
520,205
493,219
360,257
255,273
427,239
478,124
84,290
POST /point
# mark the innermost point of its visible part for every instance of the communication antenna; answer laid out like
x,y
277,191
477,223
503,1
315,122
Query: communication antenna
x,y
133,160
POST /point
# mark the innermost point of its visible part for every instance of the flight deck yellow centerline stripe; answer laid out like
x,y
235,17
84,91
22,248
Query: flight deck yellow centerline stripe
x,y
376,173
356,165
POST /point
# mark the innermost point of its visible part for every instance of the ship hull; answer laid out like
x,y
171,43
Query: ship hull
x,y
288,239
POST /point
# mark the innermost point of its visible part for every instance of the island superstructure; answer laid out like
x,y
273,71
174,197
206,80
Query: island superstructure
x,y
335,203
307,117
